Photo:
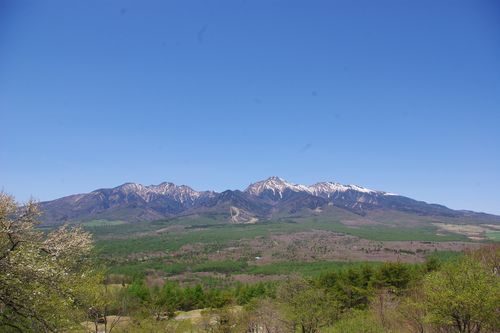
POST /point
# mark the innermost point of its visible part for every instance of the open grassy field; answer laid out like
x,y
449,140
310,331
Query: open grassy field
x,y
102,223
232,267
493,235
235,267
147,237
208,246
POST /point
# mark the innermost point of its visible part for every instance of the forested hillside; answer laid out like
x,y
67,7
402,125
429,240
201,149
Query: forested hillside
x,y
54,281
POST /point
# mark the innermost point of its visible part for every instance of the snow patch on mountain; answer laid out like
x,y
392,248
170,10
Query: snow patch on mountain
x,y
181,193
276,185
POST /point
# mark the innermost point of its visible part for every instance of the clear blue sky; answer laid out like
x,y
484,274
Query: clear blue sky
x,y
401,96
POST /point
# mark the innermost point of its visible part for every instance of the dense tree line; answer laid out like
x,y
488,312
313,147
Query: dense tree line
x,y
461,295
49,283
172,297
43,277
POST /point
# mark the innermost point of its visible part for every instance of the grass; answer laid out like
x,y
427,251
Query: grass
x,y
385,233
214,234
124,230
220,234
101,223
223,266
304,268
493,235
444,256
140,268
130,248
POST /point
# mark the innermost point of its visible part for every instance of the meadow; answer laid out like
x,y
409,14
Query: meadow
x,y
207,247
196,274
122,239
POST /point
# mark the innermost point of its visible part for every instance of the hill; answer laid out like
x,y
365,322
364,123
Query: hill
x,y
270,199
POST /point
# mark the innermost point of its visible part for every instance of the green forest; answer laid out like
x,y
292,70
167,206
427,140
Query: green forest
x,y
55,281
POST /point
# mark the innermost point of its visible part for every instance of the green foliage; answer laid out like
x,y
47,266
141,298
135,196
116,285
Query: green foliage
x,y
308,307
139,238
102,223
351,286
172,297
493,235
357,321
395,276
392,297
464,295
245,293
139,289
354,286
226,266
444,256
304,268
47,282
383,233
44,277
140,268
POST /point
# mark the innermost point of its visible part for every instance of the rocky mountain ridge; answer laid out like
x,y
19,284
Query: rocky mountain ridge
x,y
262,200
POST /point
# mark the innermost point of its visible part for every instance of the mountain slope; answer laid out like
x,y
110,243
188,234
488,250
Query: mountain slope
x,y
267,199
130,201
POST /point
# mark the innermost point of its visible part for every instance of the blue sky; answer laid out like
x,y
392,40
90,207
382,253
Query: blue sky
x,y
401,96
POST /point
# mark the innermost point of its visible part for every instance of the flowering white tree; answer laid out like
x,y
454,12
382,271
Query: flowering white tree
x,y
43,275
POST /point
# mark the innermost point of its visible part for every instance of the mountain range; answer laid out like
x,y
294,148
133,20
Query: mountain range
x,y
273,198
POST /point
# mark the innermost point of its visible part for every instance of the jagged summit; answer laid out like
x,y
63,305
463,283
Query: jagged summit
x,y
328,188
181,193
278,186
261,200
129,187
275,185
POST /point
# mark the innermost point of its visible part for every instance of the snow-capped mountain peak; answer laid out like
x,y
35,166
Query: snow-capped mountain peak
x,y
180,193
273,187
276,185
262,199
327,189
130,187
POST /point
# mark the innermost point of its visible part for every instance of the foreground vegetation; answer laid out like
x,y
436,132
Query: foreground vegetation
x,y
43,277
51,282
211,231
460,295
208,244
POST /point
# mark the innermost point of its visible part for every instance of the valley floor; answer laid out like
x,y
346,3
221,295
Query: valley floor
x,y
199,249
